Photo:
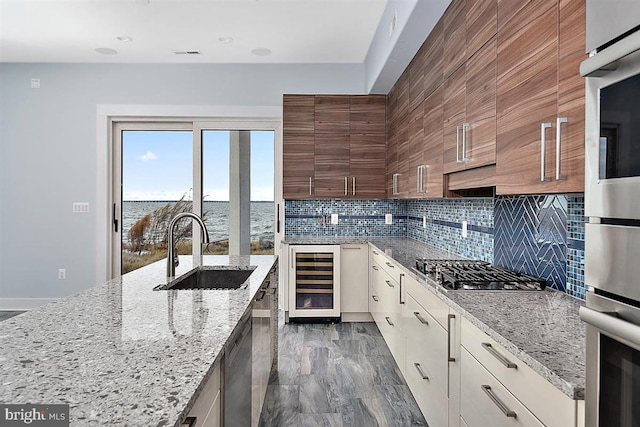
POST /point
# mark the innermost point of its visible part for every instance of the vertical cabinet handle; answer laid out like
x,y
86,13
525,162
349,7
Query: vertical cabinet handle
x,y
395,184
449,318
401,294
419,369
353,186
458,160
506,362
559,122
543,148
464,142
346,180
310,186
420,183
495,399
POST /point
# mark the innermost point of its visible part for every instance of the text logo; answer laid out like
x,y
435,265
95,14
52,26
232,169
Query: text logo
x,y
34,415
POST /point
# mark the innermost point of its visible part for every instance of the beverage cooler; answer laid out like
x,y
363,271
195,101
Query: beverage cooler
x,y
314,281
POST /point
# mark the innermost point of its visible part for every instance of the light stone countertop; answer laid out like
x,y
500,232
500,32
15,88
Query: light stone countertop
x,y
122,354
543,329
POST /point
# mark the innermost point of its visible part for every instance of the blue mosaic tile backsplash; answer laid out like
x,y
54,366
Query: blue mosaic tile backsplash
x,y
540,235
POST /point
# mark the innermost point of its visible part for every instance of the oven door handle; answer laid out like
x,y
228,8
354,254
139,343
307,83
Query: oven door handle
x,y
611,324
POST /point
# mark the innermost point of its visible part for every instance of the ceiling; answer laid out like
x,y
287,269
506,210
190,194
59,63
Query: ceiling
x,y
283,31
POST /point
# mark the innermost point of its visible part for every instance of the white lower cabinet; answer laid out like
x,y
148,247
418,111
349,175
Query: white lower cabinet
x,y
207,408
486,402
354,284
463,423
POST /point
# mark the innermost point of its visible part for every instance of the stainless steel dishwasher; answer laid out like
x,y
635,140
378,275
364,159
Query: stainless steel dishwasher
x,y
237,377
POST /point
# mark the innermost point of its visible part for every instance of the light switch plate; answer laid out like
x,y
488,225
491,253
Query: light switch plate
x,y
464,229
334,218
388,219
80,207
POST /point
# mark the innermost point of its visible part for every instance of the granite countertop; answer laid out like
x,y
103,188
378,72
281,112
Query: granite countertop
x,y
543,329
122,354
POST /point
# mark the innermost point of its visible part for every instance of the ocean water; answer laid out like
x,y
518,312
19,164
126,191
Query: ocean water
x,y
216,217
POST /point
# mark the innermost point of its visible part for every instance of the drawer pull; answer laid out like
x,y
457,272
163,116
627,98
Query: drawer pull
x,y
420,318
388,319
375,253
390,265
419,369
374,267
506,362
389,283
505,410
375,298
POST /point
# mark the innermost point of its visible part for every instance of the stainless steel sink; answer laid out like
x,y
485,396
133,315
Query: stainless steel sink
x,y
210,278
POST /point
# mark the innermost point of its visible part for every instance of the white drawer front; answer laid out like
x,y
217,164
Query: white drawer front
x,y
485,402
437,308
431,399
554,408
391,267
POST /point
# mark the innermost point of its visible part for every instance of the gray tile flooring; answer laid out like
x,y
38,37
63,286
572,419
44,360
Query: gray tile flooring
x,y
335,375
4,315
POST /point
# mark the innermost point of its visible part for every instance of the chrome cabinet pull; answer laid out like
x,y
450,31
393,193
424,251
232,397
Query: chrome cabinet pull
x,y
310,186
388,319
389,283
449,318
353,186
418,180
506,362
346,180
424,187
420,318
375,298
464,142
543,147
390,265
458,145
559,122
495,399
375,253
419,369
401,297
395,184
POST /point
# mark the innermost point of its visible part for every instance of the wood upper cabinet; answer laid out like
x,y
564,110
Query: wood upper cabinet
x,y
538,89
298,158
433,62
398,151
334,146
433,144
415,184
455,90
455,37
481,21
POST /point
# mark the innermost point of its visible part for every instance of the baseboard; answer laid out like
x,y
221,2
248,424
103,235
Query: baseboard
x,y
356,317
23,304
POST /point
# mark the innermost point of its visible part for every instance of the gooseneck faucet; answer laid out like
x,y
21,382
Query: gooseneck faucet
x,y
172,256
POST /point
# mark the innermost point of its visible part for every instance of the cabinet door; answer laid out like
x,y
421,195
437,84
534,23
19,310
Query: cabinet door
x,y
392,164
455,50
480,134
526,99
415,187
331,165
481,20
332,114
433,48
454,118
433,140
354,289
571,95
298,165
404,152
298,146
367,114
367,166
207,409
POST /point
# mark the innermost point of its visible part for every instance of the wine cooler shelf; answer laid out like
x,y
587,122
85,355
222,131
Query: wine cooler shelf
x,y
315,281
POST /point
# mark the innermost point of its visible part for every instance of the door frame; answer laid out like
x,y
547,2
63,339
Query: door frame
x,y
257,118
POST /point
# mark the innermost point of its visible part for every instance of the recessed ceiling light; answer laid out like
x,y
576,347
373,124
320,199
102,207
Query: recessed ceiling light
x,y
106,51
125,39
225,39
261,51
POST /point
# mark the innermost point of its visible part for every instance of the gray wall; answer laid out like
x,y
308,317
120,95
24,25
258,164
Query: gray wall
x,y
48,149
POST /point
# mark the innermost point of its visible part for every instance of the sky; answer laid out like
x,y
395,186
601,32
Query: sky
x,y
158,165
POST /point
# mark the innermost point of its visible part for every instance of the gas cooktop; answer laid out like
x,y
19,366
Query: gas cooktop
x,y
477,275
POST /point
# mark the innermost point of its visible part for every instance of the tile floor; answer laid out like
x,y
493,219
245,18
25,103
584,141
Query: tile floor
x,y
335,375
4,315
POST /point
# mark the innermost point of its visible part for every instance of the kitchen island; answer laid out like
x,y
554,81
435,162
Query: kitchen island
x,y
121,353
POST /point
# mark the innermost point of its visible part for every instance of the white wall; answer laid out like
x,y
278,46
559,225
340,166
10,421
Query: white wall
x,y
48,150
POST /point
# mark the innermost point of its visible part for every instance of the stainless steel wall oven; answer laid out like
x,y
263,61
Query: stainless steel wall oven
x,y
612,237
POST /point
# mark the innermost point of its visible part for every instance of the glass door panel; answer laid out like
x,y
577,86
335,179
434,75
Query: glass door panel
x,y
314,281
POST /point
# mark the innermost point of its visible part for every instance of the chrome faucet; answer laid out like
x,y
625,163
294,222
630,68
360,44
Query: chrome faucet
x,y
172,256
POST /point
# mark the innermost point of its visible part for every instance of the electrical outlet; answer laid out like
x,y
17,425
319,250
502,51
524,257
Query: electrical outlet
x,y
35,83
424,222
334,219
464,229
62,274
388,219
